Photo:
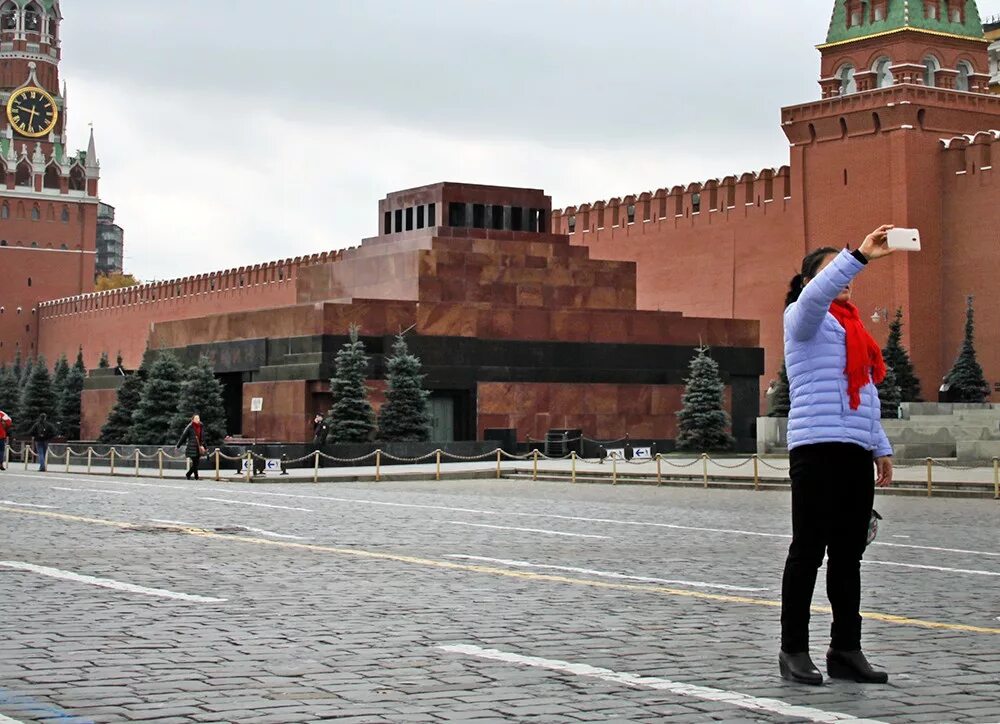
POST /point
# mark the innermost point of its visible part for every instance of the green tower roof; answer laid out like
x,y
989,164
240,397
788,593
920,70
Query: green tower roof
x,y
903,15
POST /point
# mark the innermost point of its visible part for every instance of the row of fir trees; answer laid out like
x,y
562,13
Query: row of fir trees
x,y
403,417
157,401
28,389
966,381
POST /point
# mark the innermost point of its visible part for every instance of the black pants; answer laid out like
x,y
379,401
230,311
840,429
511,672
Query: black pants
x,y
833,489
193,469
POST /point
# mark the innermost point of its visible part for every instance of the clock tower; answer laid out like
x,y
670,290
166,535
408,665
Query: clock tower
x,y
48,195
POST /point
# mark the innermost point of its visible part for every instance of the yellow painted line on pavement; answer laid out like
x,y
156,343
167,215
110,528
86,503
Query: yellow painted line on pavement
x,y
507,573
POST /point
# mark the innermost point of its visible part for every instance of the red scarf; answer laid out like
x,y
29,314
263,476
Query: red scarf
x,y
197,431
864,358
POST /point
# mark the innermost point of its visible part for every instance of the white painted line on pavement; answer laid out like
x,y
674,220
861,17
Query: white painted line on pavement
x,y
8,720
169,522
107,582
935,548
529,530
705,693
92,490
28,505
607,574
901,536
272,534
256,505
934,568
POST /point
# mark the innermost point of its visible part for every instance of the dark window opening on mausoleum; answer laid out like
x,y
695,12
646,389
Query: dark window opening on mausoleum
x,y
409,219
456,214
516,218
420,217
432,214
399,220
497,217
387,223
479,216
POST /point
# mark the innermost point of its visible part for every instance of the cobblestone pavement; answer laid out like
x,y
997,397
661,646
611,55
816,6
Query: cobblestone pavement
x,y
465,601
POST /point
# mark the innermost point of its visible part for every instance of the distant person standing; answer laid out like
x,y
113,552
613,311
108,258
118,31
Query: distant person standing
x,y
320,430
193,439
5,426
42,433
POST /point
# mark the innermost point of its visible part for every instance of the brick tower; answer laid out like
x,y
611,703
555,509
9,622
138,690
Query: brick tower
x,y
48,201
897,76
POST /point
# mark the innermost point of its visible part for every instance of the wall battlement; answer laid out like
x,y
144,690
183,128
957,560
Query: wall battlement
x,y
968,154
283,271
750,189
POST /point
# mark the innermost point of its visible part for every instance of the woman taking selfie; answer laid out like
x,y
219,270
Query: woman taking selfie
x,y
836,445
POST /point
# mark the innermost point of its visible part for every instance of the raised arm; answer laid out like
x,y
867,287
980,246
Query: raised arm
x,y
803,318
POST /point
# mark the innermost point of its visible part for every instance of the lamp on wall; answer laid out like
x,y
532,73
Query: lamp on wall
x,y
880,315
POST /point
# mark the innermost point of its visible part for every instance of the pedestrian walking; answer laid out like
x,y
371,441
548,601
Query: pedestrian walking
x,y
41,434
6,424
836,446
193,440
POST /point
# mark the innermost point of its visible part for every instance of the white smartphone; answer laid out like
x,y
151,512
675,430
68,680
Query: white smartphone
x,y
904,239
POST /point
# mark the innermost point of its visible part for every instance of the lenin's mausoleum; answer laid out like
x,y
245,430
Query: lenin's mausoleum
x,y
534,319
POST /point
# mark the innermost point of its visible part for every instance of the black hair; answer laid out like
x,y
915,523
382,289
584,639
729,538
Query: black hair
x,y
810,267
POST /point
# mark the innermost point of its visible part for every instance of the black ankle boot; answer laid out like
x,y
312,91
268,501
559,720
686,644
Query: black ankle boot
x,y
853,666
799,668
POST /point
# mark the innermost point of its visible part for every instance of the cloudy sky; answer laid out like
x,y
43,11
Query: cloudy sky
x,y
237,131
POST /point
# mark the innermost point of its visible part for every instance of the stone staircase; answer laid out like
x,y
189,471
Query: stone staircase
x,y
969,433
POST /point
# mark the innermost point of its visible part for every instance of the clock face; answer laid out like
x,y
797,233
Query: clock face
x,y
32,112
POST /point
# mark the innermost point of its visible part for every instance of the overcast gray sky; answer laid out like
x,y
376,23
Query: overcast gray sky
x,y
237,131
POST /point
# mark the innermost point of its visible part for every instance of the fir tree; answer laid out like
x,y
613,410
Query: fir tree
x,y
69,404
103,363
79,361
782,402
966,376
153,419
351,417
898,359
37,397
119,423
26,372
59,374
890,394
201,393
17,369
10,392
404,416
703,423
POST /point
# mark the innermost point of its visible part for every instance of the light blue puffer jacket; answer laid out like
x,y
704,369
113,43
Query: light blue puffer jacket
x,y
815,357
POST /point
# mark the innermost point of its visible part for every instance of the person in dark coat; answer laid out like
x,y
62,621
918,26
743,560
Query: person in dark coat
x,y
193,440
320,430
42,433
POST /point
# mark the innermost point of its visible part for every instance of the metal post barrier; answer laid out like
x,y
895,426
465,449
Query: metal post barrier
x,y
316,466
218,463
996,478
437,454
659,469
90,457
67,457
159,462
614,470
534,464
378,465
284,463
572,457
930,477
249,471
137,462
756,473
112,461
499,458
704,468
25,453
6,454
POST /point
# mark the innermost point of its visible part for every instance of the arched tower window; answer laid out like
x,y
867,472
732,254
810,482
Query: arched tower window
x,y
847,83
4,211
33,18
931,67
36,214
65,215
24,174
962,80
883,76
51,177
931,10
77,179
8,16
